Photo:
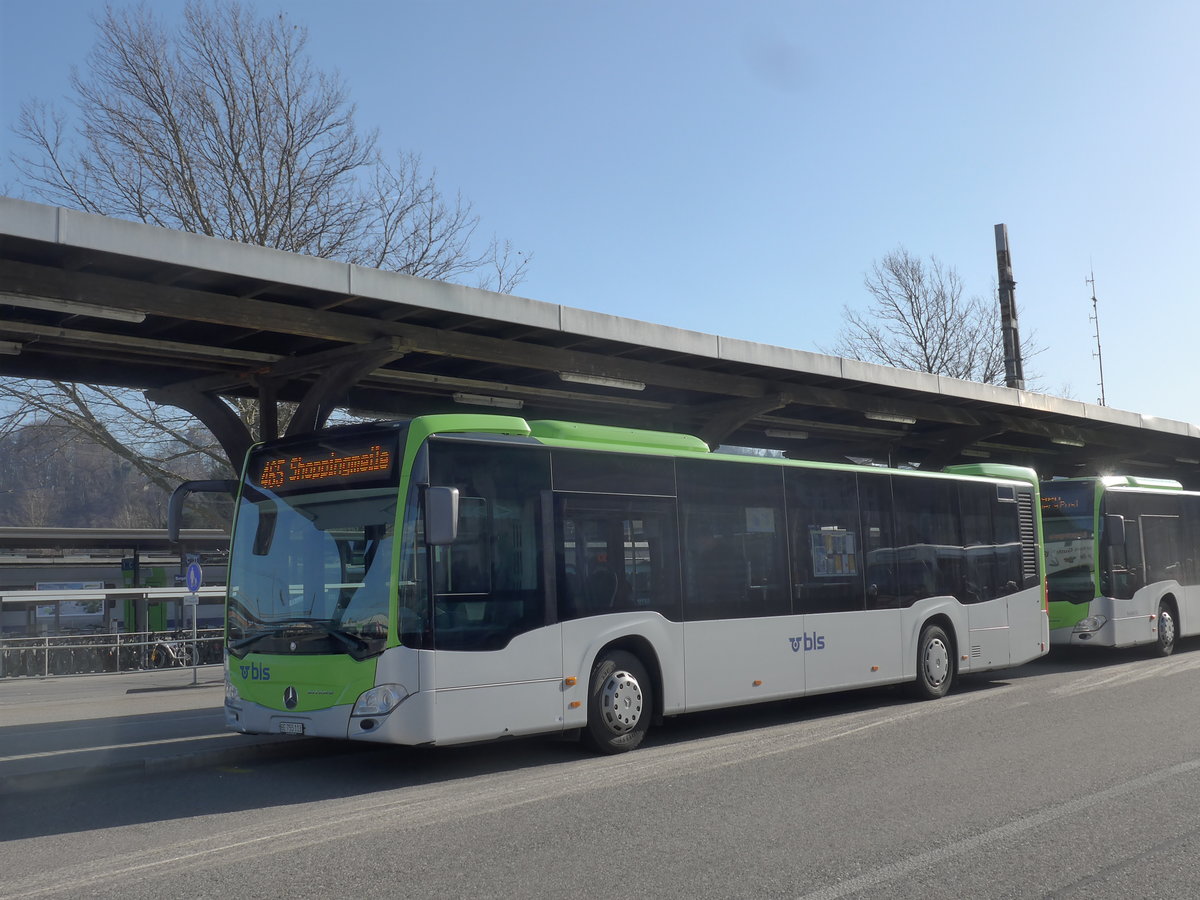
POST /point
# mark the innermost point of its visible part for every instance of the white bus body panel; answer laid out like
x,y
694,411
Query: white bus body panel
x,y
852,649
1188,599
726,657
989,634
1028,625
487,694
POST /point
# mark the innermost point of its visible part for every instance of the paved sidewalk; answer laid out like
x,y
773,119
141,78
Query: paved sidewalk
x,y
57,731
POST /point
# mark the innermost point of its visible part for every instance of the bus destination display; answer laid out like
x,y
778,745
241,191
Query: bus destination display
x,y
323,467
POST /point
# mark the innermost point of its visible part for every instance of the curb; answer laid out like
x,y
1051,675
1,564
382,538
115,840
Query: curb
x,y
175,687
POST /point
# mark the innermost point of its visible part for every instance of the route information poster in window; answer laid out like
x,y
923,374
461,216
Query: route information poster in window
x,y
833,552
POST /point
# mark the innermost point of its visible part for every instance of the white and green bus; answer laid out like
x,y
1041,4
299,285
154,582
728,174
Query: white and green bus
x,y
461,578
1122,561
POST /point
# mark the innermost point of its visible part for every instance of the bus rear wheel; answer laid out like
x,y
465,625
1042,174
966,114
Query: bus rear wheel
x,y
1165,645
935,664
620,703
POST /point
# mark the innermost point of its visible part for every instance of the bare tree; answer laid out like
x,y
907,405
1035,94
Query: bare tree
x,y
224,127
162,443
919,319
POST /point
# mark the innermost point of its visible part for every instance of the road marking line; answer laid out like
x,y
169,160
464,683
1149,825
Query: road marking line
x,y
49,753
989,838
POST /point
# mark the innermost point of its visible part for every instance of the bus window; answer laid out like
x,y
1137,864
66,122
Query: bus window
x,y
464,567
827,558
1161,540
616,554
929,554
734,550
878,541
488,584
1010,549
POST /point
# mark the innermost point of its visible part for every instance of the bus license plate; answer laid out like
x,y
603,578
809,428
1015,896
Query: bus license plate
x,y
291,728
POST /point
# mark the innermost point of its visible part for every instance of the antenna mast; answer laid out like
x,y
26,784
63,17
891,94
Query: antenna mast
x,y
1095,317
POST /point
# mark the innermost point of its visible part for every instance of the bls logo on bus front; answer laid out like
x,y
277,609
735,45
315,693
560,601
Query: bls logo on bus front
x,y
807,642
255,672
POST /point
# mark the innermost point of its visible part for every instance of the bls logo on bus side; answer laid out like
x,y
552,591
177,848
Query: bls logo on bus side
x,y
808,642
255,672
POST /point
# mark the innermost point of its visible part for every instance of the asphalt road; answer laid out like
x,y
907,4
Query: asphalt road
x,y
1072,777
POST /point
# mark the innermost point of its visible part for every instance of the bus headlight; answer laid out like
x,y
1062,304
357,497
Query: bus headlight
x,y
232,698
1090,624
380,700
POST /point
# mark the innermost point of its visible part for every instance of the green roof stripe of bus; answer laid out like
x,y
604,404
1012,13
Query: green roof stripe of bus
x,y
995,470
1134,481
549,430
423,426
554,432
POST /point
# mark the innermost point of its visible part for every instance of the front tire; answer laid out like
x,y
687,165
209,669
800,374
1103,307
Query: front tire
x,y
1165,645
935,664
620,703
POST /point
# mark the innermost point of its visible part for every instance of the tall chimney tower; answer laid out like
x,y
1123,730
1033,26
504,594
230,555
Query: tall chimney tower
x,y
1014,375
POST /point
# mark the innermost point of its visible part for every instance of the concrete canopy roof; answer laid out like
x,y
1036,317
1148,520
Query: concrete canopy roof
x,y
189,318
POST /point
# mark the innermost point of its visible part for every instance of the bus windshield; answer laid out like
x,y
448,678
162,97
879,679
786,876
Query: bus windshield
x,y
1068,522
312,552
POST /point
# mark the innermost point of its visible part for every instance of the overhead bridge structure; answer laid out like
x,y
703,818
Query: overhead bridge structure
x,y
191,319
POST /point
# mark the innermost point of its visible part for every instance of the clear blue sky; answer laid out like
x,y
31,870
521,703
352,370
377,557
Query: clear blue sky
x,y
736,167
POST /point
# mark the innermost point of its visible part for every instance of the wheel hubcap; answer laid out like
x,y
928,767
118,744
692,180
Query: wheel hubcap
x,y
621,702
1166,628
937,662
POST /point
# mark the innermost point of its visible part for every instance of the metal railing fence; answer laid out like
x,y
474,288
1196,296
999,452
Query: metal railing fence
x,y
87,654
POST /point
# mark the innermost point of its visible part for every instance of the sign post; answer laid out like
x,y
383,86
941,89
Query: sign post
x,y
195,578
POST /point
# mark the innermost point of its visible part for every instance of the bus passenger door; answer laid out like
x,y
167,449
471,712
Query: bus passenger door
x,y
497,666
617,579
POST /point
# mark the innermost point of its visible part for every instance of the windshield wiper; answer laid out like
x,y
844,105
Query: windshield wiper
x,y
254,638
348,639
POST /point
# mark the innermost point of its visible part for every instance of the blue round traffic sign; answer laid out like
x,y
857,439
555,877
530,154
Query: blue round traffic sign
x,y
195,577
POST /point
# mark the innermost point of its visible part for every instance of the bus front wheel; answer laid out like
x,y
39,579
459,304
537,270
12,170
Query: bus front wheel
x,y
1165,645
620,703
935,664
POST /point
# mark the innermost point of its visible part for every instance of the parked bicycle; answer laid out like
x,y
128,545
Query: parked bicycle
x,y
170,652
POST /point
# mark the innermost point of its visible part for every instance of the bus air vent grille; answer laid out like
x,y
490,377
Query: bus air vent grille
x,y
1028,527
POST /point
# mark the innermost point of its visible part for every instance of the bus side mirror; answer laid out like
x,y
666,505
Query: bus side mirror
x,y
180,494
441,515
1114,531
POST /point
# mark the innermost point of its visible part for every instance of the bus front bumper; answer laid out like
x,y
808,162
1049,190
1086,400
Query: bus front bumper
x,y
1108,624
410,722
